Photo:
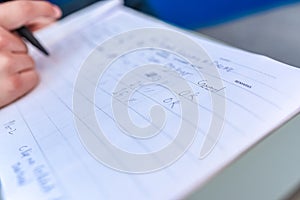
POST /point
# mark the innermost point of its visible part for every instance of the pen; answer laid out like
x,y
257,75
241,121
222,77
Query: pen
x,y
28,35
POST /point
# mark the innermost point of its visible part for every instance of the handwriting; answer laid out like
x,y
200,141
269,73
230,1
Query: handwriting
x,y
10,127
171,102
26,152
203,84
153,76
243,84
20,173
223,67
43,178
26,165
188,94
179,70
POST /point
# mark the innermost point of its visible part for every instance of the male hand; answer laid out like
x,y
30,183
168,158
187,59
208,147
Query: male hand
x,y
17,69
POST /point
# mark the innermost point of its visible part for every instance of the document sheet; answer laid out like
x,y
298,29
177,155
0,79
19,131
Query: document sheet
x,y
44,152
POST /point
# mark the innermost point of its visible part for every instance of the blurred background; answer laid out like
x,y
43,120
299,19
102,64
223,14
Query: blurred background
x,y
274,33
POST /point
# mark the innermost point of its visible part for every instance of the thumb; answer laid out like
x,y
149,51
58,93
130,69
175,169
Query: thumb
x,y
18,13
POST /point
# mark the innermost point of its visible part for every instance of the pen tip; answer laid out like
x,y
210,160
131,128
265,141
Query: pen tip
x,y
46,53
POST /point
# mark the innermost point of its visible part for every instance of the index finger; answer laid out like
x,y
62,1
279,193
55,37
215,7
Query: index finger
x,y
15,14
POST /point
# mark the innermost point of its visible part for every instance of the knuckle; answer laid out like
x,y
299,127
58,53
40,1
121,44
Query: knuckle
x,y
5,61
14,84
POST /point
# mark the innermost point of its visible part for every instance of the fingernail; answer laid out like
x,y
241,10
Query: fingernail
x,y
57,11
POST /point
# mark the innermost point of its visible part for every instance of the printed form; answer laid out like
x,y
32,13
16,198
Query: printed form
x,y
43,155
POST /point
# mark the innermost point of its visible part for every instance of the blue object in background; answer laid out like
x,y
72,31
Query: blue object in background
x,y
187,13
199,13
70,6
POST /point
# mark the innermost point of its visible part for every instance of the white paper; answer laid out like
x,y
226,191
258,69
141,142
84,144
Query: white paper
x,y
42,157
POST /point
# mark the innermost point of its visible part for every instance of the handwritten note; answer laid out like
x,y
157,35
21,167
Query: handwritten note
x,y
42,156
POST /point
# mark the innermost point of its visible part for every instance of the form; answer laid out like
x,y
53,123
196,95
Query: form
x,y
44,150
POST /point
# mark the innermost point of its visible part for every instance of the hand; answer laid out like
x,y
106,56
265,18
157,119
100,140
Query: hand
x,y
17,69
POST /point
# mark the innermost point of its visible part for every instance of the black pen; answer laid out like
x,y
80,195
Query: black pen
x,y
28,35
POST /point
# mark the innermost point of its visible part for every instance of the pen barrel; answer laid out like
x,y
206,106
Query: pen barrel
x,y
27,34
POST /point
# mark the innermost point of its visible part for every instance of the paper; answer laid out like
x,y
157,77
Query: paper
x,y
42,156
